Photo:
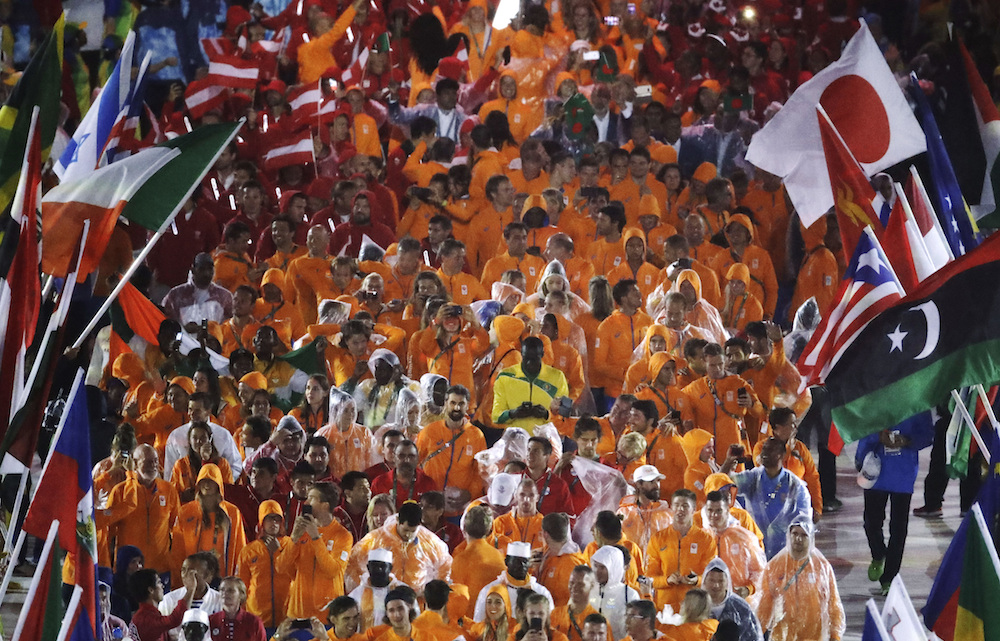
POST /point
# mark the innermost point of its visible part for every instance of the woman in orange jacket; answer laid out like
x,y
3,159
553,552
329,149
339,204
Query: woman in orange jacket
x,y
209,524
201,450
459,340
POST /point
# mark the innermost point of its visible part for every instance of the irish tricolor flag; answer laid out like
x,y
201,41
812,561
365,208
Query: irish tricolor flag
x,y
100,198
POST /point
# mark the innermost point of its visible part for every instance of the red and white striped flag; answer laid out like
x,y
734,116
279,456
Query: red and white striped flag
x,y
304,101
202,96
352,75
216,47
298,150
461,52
231,71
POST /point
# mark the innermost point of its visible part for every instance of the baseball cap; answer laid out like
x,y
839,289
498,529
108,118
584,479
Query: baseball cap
x,y
646,473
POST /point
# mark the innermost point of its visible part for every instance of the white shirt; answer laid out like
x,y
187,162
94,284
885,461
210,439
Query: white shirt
x,y
177,448
533,585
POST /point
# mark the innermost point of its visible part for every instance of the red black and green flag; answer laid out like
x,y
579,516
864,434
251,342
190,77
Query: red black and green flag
x,y
945,335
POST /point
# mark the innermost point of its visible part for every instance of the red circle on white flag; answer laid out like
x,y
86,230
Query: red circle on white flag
x,y
859,115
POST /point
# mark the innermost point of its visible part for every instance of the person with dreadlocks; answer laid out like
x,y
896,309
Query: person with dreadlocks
x,y
209,523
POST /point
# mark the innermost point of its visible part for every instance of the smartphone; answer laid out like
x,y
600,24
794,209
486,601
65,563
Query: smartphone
x,y
611,21
535,625
307,509
591,55
301,624
644,91
565,406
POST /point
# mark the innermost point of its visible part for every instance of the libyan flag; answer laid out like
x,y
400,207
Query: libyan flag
x,y
945,335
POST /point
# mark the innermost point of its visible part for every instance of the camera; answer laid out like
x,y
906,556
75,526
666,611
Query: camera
x,y
565,406
453,310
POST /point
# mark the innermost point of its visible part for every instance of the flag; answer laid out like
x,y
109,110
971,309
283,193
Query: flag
x,y
83,152
954,214
852,193
607,65
298,149
99,197
39,86
958,438
202,96
65,493
215,47
923,266
941,609
353,74
941,337
382,44
304,101
868,288
21,291
461,52
160,198
306,359
132,314
233,71
899,617
935,241
874,629
867,108
988,119
896,242
42,612
124,139
978,617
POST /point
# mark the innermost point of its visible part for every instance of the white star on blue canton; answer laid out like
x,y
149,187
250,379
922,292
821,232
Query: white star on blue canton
x,y
871,259
896,337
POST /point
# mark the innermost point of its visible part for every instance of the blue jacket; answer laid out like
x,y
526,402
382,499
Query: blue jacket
x,y
899,466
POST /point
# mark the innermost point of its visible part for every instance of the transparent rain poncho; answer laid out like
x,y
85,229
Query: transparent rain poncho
x,y
733,607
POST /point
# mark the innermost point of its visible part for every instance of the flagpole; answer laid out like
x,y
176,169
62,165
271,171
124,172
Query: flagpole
x,y
972,425
22,487
9,573
989,408
36,579
70,616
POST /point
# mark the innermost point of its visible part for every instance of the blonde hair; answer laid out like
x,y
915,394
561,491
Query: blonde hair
x,y
632,445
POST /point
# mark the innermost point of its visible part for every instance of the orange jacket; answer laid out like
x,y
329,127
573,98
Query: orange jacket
x,y
744,309
640,524
714,408
144,517
318,566
605,256
154,427
183,476
554,574
463,288
267,588
647,277
455,362
531,266
771,215
231,270
355,449
312,281
617,337
316,56
447,457
476,564
520,528
571,623
191,534
819,275
670,553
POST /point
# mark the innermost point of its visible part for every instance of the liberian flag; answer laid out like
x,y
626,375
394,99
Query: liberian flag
x,y
299,150
202,96
869,287
100,198
233,71
65,493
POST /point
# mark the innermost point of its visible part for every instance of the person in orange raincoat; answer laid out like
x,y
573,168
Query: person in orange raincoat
x,y
317,555
819,273
644,514
763,281
677,555
452,350
267,588
352,446
741,306
699,451
738,547
635,266
477,563
209,524
721,482
499,623
799,598
658,339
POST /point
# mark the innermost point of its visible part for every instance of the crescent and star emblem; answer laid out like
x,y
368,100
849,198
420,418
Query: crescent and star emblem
x,y
932,317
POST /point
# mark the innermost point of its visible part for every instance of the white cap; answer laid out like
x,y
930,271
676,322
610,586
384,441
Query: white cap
x,y
502,489
646,473
195,615
580,45
519,549
870,471
384,556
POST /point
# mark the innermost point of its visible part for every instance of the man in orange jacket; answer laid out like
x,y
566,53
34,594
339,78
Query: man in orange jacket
x,y
267,589
677,556
560,556
617,337
476,563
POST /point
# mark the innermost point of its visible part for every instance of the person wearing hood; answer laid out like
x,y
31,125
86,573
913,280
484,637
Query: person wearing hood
x,y
406,418
658,339
274,308
346,239
209,523
613,595
670,401
697,310
763,282
128,561
719,403
433,391
772,494
738,547
635,266
447,447
375,584
267,587
720,482
376,397
514,578
676,253
498,623
728,606
416,551
677,555
741,306
524,114
352,446
643,514
800,599
680,332
819,274
560,556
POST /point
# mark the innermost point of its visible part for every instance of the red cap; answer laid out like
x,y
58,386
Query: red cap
x,y
452,67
